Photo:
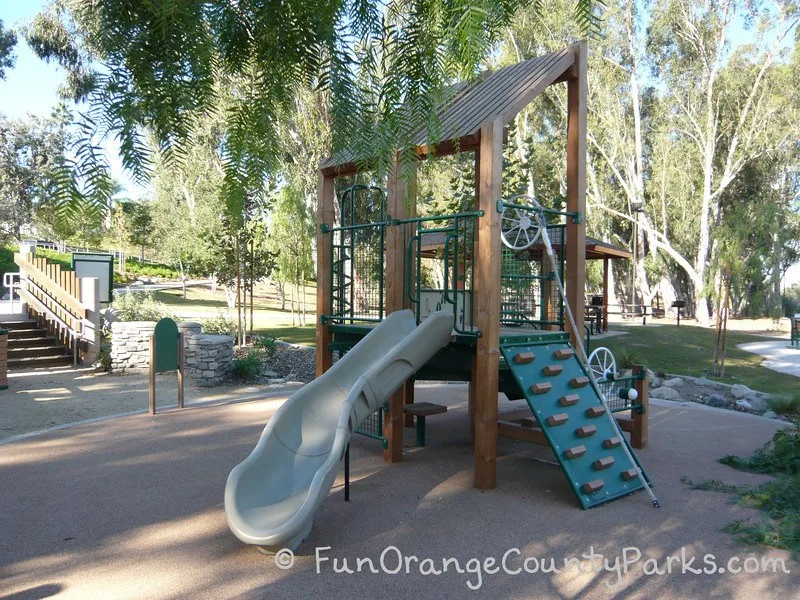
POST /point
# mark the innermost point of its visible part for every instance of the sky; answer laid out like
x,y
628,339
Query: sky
x,y
31,87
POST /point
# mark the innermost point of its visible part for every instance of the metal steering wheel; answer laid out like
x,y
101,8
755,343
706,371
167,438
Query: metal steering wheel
x,y
519,228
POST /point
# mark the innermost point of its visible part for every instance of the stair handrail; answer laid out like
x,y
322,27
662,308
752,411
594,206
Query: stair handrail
x,y
62,297
33,279
11,283
40,306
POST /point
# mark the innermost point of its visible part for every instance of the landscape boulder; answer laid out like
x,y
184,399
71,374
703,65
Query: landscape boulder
x,y
673,382
717,401
741,391
665,393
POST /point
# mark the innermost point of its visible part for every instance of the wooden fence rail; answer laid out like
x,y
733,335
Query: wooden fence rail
x,y
56,289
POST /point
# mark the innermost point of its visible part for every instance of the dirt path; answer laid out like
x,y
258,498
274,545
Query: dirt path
x,y
40,399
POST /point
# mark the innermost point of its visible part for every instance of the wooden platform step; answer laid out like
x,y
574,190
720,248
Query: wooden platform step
x,y
586,431
611,442
629,474
575,452
603,463
557,419
524,358
424,409
540,388
595,411
579,382
569,400
553,370
564,353
593,486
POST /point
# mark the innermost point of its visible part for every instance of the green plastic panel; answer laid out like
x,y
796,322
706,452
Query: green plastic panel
x,y
166,341
565,434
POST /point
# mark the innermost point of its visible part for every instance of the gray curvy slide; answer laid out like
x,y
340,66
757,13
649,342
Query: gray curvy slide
x,y
271,497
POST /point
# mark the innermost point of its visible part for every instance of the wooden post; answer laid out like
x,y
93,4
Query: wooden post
x,y
4,356
640,418
605,294
325,215
152,374
487,300
180,370
473,382
394,419
576,189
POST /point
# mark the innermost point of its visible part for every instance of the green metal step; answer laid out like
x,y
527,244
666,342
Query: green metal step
x,y
571,416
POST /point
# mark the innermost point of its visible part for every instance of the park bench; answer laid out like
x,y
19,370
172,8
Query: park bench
x,y
420,410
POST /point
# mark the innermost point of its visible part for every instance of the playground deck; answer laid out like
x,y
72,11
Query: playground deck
x,y
132,508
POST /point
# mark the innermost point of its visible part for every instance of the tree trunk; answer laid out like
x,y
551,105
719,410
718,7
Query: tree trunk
x,y
183,277
239,329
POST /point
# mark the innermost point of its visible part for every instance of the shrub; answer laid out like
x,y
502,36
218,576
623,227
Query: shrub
x,y
627,359
220,325
267,345
134,267
248,365
781,455
139,306
784,405
59,258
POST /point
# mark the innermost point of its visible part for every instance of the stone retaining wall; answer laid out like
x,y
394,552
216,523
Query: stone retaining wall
x,y
130,346
208,359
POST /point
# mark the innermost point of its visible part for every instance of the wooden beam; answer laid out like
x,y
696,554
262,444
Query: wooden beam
x,y
325,215
473,382
515,431
605,294
554,74
487,302
640,417
576,191
397,191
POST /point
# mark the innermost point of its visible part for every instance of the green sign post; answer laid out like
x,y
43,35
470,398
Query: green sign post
x,y
166,354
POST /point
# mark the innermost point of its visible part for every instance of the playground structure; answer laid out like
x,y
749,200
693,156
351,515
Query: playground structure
x,y
507,315
497,294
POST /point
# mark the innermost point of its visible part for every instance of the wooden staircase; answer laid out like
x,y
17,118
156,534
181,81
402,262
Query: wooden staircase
x,y
30,346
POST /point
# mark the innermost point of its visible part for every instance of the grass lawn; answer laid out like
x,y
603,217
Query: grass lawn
x,y
689,350
305,335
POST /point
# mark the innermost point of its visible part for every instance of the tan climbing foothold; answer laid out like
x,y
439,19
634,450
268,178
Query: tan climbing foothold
x,y
586,431
595,411
579,382
630,474
553,370
611,442
557,419
569,400
603,463
524,358
540,388
593,486
564,353
575,452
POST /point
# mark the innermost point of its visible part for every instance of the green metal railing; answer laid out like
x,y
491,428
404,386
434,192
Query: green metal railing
x,y
450,238
611,389
528,291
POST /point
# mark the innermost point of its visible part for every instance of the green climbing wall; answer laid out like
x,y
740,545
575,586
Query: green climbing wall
x,y
572,417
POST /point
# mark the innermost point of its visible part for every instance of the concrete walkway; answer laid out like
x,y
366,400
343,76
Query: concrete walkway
x,y
133,508
779,355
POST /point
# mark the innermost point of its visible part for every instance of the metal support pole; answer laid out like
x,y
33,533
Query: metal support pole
x,y
152,374
180,370
347,473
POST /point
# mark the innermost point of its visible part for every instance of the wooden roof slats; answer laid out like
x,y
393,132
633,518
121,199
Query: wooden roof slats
x,y
492,96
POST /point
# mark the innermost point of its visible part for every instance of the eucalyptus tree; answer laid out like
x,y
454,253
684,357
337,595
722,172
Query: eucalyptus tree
x,y
8,40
